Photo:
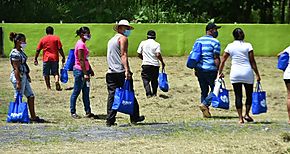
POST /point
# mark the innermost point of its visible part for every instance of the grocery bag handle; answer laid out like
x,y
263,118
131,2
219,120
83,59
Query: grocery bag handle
x,y
17,101
127,85
163,70
222,81
258,86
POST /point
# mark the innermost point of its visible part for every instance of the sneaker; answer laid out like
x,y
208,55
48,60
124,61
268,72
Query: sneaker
x,y
91,115
37,120
141,118
75,116
205,111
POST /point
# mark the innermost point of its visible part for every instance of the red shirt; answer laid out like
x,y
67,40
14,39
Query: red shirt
x,y
50,44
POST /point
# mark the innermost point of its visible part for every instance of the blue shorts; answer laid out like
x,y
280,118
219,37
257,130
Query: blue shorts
x,y
25,86
50,68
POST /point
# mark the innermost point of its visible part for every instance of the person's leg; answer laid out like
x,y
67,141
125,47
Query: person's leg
x,y
78,82
288,99
46,73
113,80
86,97
238,100
55,72
201,76
145,74
154,80
249,91
210,81
136,116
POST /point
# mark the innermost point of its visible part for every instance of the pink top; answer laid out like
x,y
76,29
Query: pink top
x,y
81,45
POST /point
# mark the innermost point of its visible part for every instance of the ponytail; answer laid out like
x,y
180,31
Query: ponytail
x,y
82,30
12,36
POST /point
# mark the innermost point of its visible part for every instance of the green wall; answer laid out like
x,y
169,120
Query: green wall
x,y
175,39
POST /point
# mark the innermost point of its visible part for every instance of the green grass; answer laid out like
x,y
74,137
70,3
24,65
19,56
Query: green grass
x,y
175,39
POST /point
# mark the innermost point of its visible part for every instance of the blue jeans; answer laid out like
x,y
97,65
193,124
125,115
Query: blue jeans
x,y
206,80
80,85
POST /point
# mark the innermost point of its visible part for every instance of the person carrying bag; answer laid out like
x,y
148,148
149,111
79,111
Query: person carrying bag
x,y
18,111
221,98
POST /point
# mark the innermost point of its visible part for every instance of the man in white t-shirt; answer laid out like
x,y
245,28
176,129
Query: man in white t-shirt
x,y
149,52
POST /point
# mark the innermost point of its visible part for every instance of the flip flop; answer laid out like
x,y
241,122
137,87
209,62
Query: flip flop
x,y
249,119
57,86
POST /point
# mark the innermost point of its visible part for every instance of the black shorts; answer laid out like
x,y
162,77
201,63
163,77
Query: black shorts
x,y
50,68
287,81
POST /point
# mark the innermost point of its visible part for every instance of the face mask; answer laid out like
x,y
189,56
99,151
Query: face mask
x,y
215,34
23,45
127,33
87,37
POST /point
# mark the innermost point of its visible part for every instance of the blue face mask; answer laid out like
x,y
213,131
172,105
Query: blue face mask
x,y
215,34
127,33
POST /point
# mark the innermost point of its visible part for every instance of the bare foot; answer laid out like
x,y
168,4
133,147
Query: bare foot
x,y
241,121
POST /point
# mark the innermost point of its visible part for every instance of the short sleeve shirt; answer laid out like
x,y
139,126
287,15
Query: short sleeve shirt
x,y
16,55
241,69
50,44
149,48
210,48
80,45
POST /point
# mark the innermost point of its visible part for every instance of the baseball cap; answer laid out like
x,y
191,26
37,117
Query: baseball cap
x,y
151,34
212,26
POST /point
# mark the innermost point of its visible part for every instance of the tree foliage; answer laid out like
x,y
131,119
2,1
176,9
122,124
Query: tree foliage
x,y
145,11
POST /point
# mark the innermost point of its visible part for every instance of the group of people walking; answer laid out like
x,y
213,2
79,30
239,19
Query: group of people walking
x,y
207,71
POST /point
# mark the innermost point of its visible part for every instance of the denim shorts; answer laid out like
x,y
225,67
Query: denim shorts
x,y
50,68
25,86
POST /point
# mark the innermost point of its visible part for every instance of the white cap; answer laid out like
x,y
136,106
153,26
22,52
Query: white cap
x,y
123,23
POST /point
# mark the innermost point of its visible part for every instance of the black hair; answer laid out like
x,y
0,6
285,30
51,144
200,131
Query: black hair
x,y
82,30
14,37
238,34
49,30
151,34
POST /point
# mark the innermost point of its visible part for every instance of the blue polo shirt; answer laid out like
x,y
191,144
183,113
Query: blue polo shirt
x,y
210,47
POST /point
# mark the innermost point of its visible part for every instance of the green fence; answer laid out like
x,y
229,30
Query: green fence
x,y
175,39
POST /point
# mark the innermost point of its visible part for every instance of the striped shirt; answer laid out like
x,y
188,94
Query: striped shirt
x,y
210,47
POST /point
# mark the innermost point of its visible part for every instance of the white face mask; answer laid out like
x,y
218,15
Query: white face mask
x,y
23,45
87,37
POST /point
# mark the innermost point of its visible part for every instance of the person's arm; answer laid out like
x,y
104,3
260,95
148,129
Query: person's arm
x,y
254,65
159,56
16,65
217,60
140,56
224,59
36,56
62,54
81,56
124,55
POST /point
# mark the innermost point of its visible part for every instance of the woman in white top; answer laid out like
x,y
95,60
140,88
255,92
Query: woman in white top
x,y
286,78
243,64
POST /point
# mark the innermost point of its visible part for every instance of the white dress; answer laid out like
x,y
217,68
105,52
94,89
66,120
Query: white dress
x,y
241,69
287,71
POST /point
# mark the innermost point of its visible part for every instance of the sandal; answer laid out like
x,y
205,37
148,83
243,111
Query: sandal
x,y
248,119
57,86
91,115
37,120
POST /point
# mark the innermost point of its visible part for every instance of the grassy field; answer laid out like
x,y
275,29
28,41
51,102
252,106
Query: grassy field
x,y
173,122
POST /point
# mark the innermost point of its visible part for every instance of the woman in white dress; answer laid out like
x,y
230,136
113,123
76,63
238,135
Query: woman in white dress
x,y
243,64
286,78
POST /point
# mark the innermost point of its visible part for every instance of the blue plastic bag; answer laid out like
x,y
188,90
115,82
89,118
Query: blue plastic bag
x,y
283,61
18,111
63,75
124,99
70,62
259,100
222,100
194,56
163,82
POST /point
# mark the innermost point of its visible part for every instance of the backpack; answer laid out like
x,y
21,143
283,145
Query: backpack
x,y
194,56
283,61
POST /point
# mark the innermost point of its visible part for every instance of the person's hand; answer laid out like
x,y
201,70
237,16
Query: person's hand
x,y
87,77
258,78
221,75
35,62
163,65
18,86
63,60
128,75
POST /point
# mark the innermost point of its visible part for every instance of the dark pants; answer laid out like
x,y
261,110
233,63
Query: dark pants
x,y
239,94
116,80
150,74
206,80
